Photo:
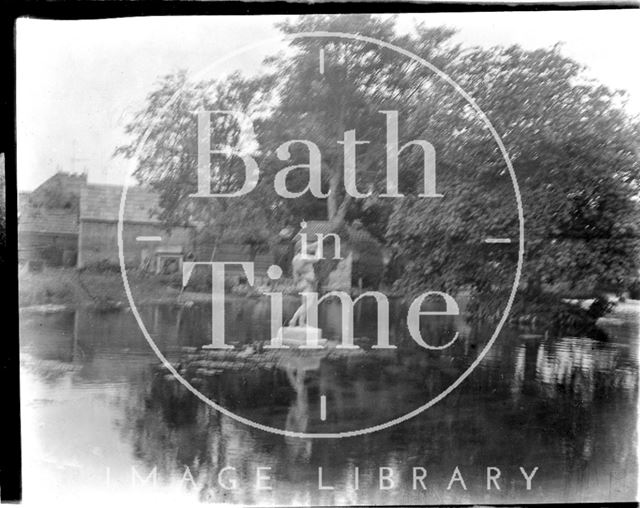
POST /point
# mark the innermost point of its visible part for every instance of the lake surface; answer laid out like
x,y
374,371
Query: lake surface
x,y
101,420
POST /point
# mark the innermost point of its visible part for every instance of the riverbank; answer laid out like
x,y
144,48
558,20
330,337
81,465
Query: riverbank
x,y
70,287
55,289
74,288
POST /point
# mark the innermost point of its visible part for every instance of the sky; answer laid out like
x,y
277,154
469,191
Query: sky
x,y
79,81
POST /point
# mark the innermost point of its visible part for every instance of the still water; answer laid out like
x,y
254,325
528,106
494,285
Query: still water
x,y
102,421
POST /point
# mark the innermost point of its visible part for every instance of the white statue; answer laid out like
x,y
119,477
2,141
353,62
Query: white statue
x,y
304,277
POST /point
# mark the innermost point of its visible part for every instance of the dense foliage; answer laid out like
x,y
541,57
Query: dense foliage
x,y
574,150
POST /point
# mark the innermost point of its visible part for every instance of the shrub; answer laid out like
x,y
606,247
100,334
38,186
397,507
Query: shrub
x,y
634,290
52,255
104,265
600,307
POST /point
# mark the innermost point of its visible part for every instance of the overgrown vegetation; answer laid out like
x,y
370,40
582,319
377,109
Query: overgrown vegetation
x,y
573,147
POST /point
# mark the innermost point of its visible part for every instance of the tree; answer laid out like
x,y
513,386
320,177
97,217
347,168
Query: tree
x,y
293,101
57,195
574,149
164,137
360,79
575,152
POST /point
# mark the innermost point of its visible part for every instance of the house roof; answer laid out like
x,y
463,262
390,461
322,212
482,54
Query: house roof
x,y
317,227
102,203
23,198
75,180
39,220
361,235
71,183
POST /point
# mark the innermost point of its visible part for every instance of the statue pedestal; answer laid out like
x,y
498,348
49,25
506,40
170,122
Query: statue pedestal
x,y
297,336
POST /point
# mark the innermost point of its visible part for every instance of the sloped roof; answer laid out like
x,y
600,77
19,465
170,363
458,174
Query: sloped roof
x,y
361,235
102,202
23,199
71,183
39,220
317,227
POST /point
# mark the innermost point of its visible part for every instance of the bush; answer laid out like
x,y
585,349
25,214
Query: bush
x,y
173,280
544,309
200,280
69,258
52,255
104,265
600,307
573,320
634,290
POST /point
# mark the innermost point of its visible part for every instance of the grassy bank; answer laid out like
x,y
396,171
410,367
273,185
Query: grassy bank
x,y
68,286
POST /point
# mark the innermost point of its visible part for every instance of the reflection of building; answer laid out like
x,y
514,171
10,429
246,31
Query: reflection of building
x,y
97,242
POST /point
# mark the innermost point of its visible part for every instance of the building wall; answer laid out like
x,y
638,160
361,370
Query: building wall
x,y
31,245
98,241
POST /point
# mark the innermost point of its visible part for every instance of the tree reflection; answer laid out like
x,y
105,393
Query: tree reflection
x,y
566,405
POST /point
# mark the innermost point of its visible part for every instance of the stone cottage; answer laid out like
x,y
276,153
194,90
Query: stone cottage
x,y
60,191
148,244
48,220
48,235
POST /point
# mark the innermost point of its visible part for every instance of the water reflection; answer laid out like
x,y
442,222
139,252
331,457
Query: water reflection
x,y
570,363
98,400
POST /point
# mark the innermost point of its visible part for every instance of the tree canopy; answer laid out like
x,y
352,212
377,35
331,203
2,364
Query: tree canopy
x,y
574,150
575,154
